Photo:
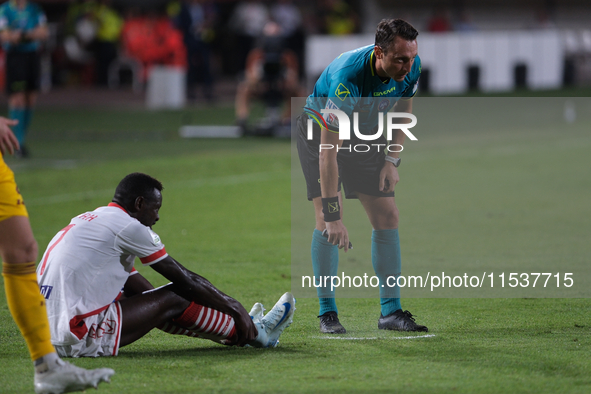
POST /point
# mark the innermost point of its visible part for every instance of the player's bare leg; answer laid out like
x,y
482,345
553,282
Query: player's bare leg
x,y
27,306
385,255
143,312
241,103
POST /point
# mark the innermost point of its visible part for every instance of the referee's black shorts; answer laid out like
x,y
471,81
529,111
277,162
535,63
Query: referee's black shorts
x,y
23,72
359,172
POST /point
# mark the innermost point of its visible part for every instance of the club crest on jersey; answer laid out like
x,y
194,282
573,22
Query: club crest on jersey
x,y
342,92
384,104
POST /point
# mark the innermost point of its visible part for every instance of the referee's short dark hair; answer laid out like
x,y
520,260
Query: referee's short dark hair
x,y
136,185
388,29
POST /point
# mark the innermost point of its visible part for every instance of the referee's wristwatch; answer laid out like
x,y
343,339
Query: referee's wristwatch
x,y
394,160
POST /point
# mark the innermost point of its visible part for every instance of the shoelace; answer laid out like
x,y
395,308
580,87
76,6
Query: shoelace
x,y
408,315
332,317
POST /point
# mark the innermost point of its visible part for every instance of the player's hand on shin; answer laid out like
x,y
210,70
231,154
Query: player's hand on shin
x,y
8,141
388,177
246,331
338,234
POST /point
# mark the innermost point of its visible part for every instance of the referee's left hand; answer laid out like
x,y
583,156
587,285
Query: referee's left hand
x,y
388,177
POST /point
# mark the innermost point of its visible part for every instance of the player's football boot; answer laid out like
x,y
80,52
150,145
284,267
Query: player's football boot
x,y
256,313
279,318
330,324
400,321
67,378
271,326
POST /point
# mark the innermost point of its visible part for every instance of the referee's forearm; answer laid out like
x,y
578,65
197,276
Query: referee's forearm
x,y
327,160
329,176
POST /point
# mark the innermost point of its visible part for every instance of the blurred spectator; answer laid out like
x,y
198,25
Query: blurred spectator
x,y
287,15
152,39
109,25
196,20
337,18
23,27
93,29
80,20
439,21
173,9
248,21
81,28
271,74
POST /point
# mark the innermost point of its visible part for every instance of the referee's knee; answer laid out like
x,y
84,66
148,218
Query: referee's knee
x,y
387,221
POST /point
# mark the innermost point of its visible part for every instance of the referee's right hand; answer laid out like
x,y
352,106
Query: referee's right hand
x,y
338,234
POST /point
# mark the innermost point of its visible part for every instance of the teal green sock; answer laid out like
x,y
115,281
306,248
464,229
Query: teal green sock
x,y
389,305
27,119
325,262
327,305
19,129
386,260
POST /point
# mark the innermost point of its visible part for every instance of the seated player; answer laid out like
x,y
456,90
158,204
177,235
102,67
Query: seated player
x,y
97,302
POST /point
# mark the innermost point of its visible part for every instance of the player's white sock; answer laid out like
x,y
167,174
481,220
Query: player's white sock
x,y
47,363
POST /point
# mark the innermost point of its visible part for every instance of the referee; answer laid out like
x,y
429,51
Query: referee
x,y
363,83
23,26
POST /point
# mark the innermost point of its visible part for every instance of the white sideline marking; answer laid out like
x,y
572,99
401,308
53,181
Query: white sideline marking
x,y
367,338
190,184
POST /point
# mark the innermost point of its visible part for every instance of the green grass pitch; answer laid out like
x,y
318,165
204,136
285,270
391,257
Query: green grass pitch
x,y
227,215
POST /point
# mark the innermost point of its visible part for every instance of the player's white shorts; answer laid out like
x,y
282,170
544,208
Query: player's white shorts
x,y
103,337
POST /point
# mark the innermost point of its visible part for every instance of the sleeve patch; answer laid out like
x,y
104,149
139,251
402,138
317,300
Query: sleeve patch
x,y
331,105
155,238
331,119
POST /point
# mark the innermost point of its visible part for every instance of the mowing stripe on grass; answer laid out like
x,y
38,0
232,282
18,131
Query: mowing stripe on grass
x,y
189,184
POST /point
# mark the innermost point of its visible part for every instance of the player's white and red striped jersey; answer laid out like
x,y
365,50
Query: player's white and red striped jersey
x,y
86,265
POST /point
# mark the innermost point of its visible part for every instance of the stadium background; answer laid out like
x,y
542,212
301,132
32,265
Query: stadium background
x,y
519,195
